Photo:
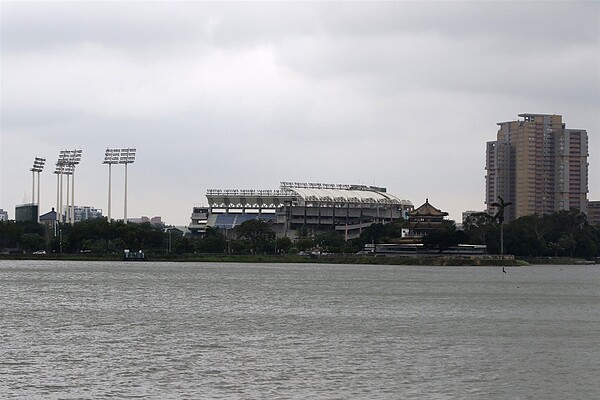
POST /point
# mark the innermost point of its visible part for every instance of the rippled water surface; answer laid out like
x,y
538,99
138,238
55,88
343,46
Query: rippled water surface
x,y
240,331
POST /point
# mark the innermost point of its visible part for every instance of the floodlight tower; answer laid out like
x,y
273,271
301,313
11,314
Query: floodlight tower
x,y
127,156
73,160
61,167
67,172
67,160
38,166
110,157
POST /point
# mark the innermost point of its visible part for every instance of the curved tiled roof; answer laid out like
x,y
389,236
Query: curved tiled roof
x,y
427,210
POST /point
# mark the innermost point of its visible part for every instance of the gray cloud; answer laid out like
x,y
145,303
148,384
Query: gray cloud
x,y
399,94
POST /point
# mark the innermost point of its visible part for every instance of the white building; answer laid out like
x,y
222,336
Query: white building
x,y
83,213
317,207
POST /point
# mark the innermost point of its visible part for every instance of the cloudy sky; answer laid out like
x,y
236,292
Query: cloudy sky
x,y
247,94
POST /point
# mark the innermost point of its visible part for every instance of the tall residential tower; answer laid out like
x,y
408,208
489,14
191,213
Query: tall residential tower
x,y
539,165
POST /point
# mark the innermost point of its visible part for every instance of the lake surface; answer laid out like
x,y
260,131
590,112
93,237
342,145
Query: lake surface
x,y
251,331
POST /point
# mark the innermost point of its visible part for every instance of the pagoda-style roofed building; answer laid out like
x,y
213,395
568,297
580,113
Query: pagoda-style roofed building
x,y
425,219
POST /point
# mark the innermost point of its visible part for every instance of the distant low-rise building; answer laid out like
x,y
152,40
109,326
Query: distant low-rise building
x,y
49,220
155,221
593,213
83,213
26,212
3,215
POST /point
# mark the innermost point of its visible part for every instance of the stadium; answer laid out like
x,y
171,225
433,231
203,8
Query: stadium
x,y
316,207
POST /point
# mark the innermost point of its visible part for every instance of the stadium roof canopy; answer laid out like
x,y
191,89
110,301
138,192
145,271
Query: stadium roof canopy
x,y
304,193
344,194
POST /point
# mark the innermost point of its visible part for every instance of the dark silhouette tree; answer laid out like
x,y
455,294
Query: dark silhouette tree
x,y
501,206
257,233
283,245
478,226
444,238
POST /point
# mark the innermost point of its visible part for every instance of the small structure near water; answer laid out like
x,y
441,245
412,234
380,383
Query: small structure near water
x,y
133,256
417,249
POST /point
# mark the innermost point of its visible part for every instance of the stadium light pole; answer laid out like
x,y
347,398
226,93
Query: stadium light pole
x,y
57,172
60,171
127,156
67,172
67,160
111,156
74,159
38,166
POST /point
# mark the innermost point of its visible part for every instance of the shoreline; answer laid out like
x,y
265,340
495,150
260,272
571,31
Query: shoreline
x,y
323,259
420,260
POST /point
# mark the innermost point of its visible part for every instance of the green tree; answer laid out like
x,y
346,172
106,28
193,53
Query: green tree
x,y
10,233
304,243
304,239
555,247
239,246
477,226
567,243
26,235
524,237
588,242
103,236
330,242
31,242
564,233
181,245
444,238
213,241
96,246
378,233
257,233
283,244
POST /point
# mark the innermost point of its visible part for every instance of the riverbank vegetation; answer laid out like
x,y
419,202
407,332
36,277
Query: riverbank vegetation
x,y
564,234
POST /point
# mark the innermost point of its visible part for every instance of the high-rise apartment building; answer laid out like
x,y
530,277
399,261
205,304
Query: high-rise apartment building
x,y
538,165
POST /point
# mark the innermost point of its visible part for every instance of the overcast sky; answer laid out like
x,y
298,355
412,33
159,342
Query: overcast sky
x,y
244,95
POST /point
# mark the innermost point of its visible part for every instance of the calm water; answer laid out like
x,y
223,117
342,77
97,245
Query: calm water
x,y
232,331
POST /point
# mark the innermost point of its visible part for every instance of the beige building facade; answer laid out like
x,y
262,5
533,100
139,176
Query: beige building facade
x,y
538,165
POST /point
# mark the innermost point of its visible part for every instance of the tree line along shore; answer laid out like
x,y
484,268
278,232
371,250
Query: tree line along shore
x,y
559,238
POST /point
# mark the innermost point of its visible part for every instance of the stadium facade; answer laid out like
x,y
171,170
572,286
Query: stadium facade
x,y
316,207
